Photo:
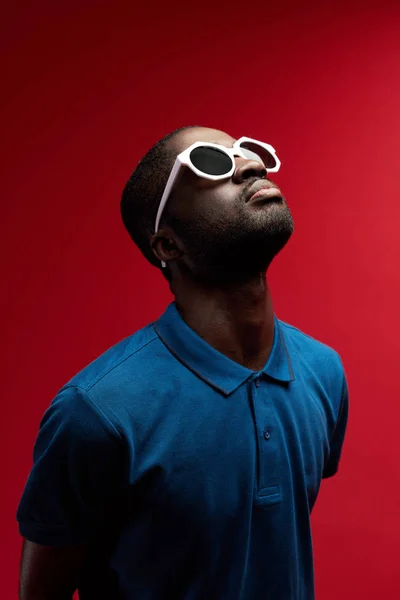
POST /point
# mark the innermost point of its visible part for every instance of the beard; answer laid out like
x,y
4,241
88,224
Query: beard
x,y
218,250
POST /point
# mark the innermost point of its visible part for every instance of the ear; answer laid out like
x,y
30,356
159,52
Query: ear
x,y
164,247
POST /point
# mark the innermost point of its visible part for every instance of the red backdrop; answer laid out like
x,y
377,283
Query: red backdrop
x,y
87,87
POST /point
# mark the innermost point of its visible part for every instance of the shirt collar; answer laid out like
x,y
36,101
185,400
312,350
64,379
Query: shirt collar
x,y
216,369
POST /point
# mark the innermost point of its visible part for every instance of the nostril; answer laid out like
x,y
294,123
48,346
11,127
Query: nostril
x,y
253,172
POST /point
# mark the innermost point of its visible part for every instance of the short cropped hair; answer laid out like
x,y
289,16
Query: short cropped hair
x,y
142,194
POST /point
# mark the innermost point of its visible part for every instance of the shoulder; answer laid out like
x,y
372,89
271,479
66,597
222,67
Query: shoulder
x,y
112,380
118,361
312,355
309,345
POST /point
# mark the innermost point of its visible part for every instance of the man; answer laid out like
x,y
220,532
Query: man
x,y
185,461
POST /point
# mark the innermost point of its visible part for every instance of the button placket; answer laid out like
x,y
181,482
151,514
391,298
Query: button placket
x,y
267,434
264,412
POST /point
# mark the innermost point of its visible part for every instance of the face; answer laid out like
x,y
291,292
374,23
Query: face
x,y
220,232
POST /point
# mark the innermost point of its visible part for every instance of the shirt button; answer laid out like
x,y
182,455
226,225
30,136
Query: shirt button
x,y
267,434
257,382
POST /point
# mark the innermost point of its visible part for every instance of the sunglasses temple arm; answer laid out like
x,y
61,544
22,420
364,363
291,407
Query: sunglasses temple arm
x,y
166,193
167,190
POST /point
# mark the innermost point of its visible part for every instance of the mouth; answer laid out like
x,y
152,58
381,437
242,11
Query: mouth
x,y
266,191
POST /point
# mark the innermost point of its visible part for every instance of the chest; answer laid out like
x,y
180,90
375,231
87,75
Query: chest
x,y
219,455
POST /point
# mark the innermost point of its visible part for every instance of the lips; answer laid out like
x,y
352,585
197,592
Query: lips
x,y
263,189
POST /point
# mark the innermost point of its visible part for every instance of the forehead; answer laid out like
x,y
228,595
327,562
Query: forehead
x,y
185,138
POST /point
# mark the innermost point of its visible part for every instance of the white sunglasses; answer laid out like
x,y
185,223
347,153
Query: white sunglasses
x,y
215,162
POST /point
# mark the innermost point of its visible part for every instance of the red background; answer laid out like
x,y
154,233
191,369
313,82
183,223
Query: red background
x,y
87,88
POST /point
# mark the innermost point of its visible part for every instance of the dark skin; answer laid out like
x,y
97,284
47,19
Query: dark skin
x,y
49,573
234,315
223,295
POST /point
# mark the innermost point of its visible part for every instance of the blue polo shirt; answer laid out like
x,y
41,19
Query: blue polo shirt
x,y
188,475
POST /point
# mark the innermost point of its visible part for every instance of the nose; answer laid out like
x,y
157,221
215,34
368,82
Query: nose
x,y
246,168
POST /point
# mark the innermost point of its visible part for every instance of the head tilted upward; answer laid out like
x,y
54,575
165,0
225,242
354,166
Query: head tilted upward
x,y
210,231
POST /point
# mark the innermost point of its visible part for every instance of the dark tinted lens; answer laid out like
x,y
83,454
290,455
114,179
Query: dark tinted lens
x,y
256,152
211,160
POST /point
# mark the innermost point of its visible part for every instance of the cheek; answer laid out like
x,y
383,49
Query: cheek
x,y
205,202
215,213
220,202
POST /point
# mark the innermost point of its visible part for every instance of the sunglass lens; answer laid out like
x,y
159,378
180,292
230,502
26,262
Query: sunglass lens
x,y
211,160
256,152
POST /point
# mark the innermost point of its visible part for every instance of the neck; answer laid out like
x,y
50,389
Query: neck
x,y
236,320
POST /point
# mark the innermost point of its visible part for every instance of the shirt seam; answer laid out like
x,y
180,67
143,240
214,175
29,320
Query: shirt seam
x,y
96,406
44,527
307,335
288,358
117,364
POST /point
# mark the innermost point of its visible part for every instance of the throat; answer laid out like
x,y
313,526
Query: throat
x,y
237,321
253,358
244,333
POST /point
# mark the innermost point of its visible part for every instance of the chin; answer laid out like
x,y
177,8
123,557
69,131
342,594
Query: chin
x,y
248,250
262,257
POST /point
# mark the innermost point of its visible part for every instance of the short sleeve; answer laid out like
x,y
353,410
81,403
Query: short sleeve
x,y
76,475
336,443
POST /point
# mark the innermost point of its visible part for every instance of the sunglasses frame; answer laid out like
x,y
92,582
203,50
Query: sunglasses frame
x,y
183,160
